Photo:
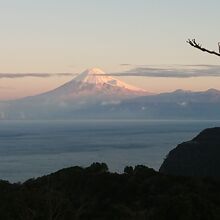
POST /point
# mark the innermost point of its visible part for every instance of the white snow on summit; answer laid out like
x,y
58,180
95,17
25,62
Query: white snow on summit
x,y
99,77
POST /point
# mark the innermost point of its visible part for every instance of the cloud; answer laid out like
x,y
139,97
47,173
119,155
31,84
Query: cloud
x,y
172,71
175,71
125,64
38,75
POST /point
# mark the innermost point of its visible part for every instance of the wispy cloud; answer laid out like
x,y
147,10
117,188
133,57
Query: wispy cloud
x,y
172,71
125,64
38,75
175,71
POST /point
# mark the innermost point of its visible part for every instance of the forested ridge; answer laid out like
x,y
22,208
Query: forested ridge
x,y
95,193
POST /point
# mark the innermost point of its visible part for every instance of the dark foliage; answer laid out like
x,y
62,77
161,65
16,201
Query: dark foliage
x,y
198,157
94,193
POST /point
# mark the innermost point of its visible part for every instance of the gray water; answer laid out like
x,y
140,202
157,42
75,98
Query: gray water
x,y
34,148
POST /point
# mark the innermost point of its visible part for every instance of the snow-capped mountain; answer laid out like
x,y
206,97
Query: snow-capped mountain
x,y
93,87
96,95
90,86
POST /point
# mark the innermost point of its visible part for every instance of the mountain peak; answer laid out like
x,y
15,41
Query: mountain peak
x,y
95,70
92,76
98,77
92,85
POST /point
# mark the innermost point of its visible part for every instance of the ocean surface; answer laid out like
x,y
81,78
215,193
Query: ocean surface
x,y
34,148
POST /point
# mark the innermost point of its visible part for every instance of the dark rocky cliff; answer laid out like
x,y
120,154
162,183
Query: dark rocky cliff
x,y
198,157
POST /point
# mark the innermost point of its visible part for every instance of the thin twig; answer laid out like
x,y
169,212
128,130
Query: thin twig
x,y
193,43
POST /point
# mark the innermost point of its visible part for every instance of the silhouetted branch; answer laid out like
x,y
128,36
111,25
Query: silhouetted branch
x,y
193,43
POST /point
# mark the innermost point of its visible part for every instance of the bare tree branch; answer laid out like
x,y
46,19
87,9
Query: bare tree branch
x,y
193,43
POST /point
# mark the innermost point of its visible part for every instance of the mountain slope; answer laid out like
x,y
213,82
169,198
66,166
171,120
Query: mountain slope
x,y
92,85
198,157
90,88
96,95
175,105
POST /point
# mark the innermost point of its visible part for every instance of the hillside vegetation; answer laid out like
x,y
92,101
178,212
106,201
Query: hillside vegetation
x,y
139,193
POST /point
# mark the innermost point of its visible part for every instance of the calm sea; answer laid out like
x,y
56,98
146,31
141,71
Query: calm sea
x,y
33,148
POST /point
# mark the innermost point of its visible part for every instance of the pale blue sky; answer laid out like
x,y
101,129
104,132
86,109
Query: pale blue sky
x,y
72,35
